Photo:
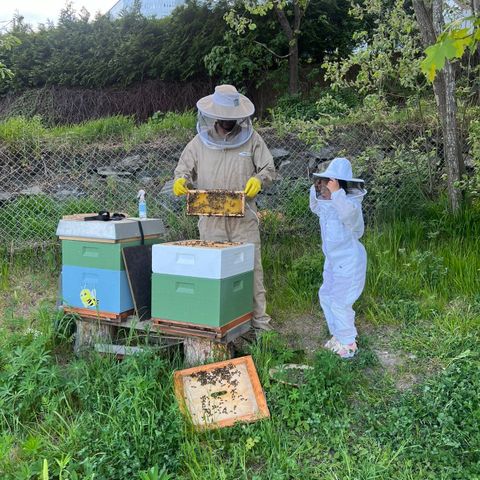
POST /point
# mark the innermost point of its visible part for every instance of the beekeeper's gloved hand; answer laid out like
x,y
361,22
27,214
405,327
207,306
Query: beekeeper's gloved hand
x,y
180,186
252,187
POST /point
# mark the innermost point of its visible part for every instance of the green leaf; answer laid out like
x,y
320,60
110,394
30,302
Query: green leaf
x,y
45,475
434,60
449,47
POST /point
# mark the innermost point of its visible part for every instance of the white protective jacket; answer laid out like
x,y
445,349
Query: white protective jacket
x,y
341,227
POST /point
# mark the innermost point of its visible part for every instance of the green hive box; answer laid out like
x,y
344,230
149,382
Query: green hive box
x,y
92,254
201,301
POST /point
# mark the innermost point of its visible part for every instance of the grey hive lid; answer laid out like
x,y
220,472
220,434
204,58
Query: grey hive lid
x,y
112,230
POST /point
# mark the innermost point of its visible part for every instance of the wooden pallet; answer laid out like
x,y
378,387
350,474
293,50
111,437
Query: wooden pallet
x,y
112,318
91,331
196,330
192,334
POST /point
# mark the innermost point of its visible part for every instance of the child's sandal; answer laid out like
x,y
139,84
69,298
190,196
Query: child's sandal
x,y
346,351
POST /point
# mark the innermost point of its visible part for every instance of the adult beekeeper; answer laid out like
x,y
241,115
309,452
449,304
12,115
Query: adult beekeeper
x,y
336,197
228,154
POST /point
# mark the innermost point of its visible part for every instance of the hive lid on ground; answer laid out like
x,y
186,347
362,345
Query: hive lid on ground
x,y
216,203
74,226
221,394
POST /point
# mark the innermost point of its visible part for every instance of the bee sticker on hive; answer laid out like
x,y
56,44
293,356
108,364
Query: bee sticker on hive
x,y
89,297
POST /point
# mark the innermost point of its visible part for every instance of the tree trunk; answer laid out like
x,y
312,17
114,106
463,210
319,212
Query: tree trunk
x,y
199,351
476,55
451,141
90,332
293,81
430,21
292,37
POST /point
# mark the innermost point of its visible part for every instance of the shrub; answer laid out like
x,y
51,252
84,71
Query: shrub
x,y
325,104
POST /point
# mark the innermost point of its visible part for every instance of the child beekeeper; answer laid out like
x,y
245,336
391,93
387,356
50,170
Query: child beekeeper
x,y
336,197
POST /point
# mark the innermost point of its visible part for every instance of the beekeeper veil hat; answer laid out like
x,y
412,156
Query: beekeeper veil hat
x,y
341,169
226,103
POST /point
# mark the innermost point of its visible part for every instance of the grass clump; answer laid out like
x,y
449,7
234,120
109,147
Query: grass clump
x,y
22,133
114,419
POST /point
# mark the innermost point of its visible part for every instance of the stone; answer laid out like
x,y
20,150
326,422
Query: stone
x,y
284,168
293,169
65,192
6,196
132,163
469,162
33,190
312,164
145,177
279,153
110,172
325,153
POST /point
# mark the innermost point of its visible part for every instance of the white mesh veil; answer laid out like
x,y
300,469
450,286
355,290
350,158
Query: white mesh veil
x,y
240,134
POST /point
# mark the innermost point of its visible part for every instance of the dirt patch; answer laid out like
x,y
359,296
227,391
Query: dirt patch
x,y
396,364
404,368
390,361
304,332
309,333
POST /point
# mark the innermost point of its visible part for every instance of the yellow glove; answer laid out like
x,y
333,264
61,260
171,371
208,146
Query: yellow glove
x,y
252,187
180,186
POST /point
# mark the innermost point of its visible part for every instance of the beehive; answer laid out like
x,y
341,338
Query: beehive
x,y
93,273
202,283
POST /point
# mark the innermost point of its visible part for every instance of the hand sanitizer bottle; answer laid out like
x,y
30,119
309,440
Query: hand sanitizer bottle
x,y
142,204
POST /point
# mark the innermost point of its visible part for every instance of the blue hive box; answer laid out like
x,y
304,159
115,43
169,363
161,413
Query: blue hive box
x,y
96,289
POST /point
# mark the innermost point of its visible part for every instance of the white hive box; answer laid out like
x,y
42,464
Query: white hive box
x,y
203,259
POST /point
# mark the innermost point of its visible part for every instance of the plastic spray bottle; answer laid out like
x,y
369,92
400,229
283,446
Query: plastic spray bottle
x,y
142,204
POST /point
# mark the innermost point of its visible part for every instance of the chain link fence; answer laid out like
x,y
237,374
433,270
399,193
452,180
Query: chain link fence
x,y
43,179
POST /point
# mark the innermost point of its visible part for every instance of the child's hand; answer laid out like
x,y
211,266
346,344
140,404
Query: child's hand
x,y
333,185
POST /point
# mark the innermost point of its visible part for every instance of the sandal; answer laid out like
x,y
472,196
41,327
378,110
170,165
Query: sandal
x,y
346,351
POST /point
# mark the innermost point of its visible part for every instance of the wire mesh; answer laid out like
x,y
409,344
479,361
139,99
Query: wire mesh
x,y
42,179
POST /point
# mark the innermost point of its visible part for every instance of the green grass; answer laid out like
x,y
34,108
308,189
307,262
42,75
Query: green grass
x,y
95,418
26,133
35,218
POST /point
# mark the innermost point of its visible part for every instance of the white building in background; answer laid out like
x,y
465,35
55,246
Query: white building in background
x,y
148,8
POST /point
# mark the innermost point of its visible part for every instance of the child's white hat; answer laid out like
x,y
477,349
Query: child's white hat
x,y
340,169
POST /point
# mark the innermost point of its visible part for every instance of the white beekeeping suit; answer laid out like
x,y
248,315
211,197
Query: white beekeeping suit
x,y
341,226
